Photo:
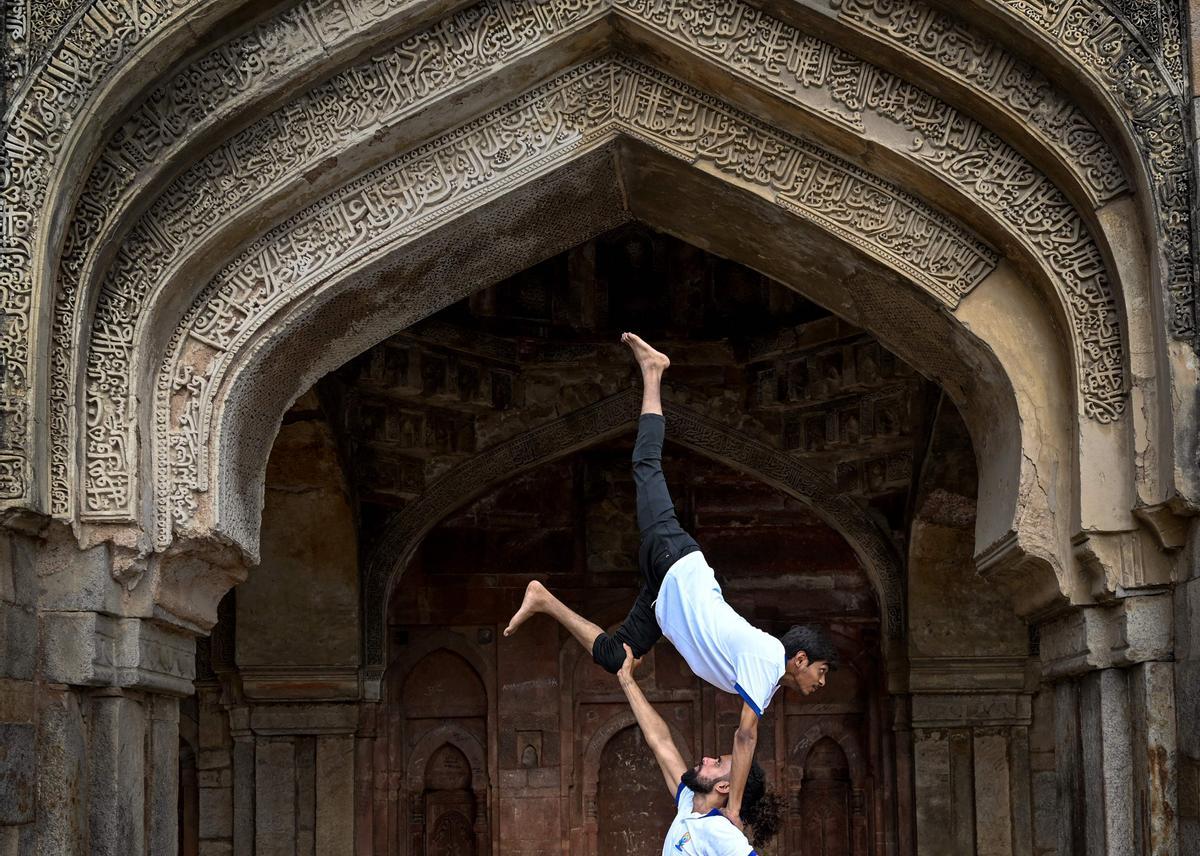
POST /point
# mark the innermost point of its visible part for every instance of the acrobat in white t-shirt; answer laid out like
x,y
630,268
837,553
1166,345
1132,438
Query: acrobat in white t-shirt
x,y
718,644
695,834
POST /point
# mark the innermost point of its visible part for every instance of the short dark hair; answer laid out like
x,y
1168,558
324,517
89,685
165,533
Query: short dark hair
x,y
761,809
813,641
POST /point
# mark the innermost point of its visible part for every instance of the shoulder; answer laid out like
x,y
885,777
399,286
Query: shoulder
x,y
683,797
726,838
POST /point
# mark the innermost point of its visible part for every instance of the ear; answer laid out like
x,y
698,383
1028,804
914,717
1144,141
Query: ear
x,y
722,787
801,660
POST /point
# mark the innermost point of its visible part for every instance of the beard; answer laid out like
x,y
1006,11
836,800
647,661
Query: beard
x,y
692,781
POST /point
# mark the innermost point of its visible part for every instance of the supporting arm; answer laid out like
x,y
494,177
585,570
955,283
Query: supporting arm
x,y
654,728
744,741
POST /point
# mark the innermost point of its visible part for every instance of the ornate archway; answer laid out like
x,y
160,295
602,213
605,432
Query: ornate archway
x,y
209,205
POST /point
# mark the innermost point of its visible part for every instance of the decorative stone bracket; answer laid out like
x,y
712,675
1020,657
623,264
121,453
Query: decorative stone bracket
x,y
1132,630
90,649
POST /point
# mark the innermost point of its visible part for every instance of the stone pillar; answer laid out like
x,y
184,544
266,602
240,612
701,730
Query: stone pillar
x,y
107,771
162,768
92,669
116,771
244,762
292,779
1068,770
1115,733
970,720
1187,696
18,730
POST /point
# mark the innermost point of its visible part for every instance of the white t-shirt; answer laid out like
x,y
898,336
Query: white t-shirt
x,y
693,834
717,643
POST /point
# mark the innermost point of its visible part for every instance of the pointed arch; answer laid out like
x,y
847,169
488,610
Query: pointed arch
x,y
596,423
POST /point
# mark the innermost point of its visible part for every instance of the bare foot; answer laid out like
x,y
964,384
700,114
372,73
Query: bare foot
x,y
535,595
647,358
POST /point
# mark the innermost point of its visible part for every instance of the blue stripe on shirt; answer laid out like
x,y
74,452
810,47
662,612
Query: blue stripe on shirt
x,y
678,792
746,698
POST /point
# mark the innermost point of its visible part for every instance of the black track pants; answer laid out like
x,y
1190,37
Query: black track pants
x,y
663,543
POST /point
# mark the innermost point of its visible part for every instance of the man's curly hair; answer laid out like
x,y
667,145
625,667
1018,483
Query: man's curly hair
x,y
762,810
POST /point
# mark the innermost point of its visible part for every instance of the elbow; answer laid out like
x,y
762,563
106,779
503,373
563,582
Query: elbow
x,y
746,737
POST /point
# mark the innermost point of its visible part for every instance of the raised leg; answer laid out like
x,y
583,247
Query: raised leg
x,y
652,363
663,540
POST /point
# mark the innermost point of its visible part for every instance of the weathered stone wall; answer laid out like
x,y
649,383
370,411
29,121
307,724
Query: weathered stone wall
x,y
969,675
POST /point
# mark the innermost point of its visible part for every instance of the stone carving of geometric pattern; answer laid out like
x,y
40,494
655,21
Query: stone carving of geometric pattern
x,y
585,106
594,423
1152,101
29,29
799,63
47,18
1160,25
978,161
102,39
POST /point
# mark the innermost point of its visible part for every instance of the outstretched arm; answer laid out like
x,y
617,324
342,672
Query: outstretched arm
x,y
744,741
654,729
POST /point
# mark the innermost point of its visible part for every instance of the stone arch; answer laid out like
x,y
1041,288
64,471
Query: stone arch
x,y
839,734
96,69
199,352
467,746
825,797
110,467
593,424
1008,547
370,306
456,736
443,684
107,454
397,672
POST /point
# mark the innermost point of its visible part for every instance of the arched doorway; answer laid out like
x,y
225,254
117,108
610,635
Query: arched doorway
x,y
449,805
825,802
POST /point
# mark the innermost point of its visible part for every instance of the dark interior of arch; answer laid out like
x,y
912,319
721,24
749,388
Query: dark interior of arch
x,y
745,349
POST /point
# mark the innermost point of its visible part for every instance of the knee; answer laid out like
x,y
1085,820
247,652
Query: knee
x,y
608,653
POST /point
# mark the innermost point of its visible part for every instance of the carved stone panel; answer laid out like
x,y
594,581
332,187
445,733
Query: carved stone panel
x,y
587,105
798,66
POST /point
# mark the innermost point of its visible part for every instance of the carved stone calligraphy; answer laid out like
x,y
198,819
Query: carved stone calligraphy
x,y
1135,52
302,134
534,133
313,127
1154,107
96,44
1011,84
